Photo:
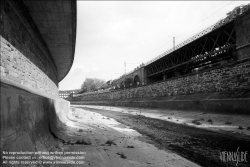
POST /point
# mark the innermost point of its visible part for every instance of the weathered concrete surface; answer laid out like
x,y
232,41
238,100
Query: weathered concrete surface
x,y
30,122
209,102
196,144
43,31
27,120
108,140
56,20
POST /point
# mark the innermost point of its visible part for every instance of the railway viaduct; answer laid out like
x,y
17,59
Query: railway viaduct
x,y
37,51
208,72
219,44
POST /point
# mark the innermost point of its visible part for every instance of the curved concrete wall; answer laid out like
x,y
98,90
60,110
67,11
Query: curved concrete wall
x,y
19,29
25,57
32,115
29,121
18,69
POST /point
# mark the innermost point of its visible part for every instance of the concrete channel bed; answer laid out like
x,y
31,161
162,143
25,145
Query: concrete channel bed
x,y
33,123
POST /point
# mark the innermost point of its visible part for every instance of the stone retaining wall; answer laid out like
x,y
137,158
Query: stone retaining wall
x,y
235,76
15,67
25,57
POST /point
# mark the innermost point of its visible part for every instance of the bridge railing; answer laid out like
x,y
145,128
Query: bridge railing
x,y
230,17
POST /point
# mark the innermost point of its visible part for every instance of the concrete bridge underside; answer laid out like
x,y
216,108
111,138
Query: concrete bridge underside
x,y
56,22
37,51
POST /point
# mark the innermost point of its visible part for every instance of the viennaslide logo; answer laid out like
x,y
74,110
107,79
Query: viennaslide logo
x,y
234,156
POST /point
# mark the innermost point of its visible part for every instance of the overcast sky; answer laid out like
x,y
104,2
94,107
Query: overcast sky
x,y
110,33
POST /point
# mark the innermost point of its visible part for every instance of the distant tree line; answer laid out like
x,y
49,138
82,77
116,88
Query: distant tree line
x,y
95,84
92,84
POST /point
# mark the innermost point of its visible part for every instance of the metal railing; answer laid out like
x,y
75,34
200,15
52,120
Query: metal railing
x,y
231,16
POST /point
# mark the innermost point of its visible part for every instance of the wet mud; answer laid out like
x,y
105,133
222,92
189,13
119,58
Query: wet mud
x,y
201,146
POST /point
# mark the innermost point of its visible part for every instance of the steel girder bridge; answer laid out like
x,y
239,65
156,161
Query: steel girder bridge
x,y
211,47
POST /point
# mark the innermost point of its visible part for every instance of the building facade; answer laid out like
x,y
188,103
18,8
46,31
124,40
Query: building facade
x,y
66,93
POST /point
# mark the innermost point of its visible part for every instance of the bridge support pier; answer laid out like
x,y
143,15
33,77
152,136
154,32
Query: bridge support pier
x,y
242,30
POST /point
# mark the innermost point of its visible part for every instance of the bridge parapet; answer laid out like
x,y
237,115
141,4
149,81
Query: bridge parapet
x,y
133,78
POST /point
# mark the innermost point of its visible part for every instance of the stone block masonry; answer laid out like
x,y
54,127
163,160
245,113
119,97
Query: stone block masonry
x,y
15,67
233,77
243,35
25,57
18,28
31,113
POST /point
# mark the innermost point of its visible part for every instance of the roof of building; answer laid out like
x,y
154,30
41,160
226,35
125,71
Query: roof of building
x,y
56,21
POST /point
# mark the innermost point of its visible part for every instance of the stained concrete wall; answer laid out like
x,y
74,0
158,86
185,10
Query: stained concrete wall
x,y
29,120
199,102
32,116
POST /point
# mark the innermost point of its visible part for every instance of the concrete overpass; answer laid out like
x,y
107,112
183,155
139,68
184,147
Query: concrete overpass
x,y
56,22
37,51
